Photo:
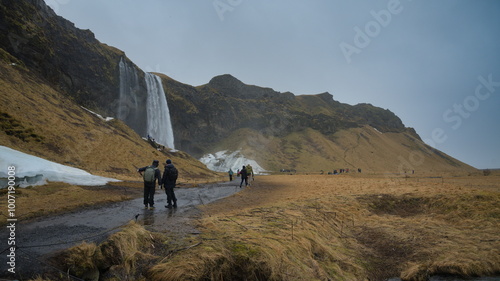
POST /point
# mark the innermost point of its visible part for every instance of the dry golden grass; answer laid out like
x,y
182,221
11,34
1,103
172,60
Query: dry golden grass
x,y
318,228
346,228
121,256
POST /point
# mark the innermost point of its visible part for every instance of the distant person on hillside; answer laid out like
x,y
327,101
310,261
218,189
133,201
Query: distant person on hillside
x,y
230,172
244,176
250,172
150,174
169,179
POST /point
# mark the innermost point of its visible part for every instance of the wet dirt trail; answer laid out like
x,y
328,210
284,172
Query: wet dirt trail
x,y
40,238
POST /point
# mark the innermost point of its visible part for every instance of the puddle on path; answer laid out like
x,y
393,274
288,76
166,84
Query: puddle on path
x,y
48,235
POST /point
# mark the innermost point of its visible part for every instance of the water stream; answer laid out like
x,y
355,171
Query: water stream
x,y
159,124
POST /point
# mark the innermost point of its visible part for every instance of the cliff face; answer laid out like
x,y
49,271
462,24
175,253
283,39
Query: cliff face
x,y
226,104
48,70
72,60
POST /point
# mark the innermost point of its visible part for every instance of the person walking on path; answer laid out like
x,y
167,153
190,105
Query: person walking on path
x,y
250,172
169,179
230,172
244,176
150,174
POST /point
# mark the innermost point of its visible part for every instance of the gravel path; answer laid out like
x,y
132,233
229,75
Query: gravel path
x,y
38,239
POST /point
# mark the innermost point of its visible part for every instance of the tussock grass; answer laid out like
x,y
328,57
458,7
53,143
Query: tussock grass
x,y
290,242
345,228
120,257
318,228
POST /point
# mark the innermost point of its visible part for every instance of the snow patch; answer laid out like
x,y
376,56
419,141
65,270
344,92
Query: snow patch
x,y
377,130
222,161
98,115
32,170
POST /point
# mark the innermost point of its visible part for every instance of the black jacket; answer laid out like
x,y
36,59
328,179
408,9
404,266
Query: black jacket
x,y
244,173
165,179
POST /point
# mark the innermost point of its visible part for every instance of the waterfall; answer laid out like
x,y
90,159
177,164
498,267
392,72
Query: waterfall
x,y
129,88
158,116
144,107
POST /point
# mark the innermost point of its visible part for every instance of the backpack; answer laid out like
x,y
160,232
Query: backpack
x,y
149,174
172,173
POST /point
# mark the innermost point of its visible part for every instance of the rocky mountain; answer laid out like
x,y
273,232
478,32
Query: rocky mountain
x,y
225,116
226,104
52,74
71,60
227,119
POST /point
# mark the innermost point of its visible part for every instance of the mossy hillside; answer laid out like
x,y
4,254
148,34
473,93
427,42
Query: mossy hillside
x,y
68,58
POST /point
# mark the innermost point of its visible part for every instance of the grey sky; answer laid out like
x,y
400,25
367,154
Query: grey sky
x,y
421,59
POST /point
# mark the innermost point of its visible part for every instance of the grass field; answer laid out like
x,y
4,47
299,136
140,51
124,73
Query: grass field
x,y
345,227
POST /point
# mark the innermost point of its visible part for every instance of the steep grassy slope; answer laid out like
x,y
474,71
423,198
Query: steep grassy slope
x,y
36,119
68,58
226,104
365,148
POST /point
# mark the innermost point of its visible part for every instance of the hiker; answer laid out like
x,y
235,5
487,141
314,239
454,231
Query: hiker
x,y
250,172
169,178
244,176
150,174
230,172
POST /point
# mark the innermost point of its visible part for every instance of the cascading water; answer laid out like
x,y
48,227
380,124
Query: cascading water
x,y
142,105
159,125
131,104
129,87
